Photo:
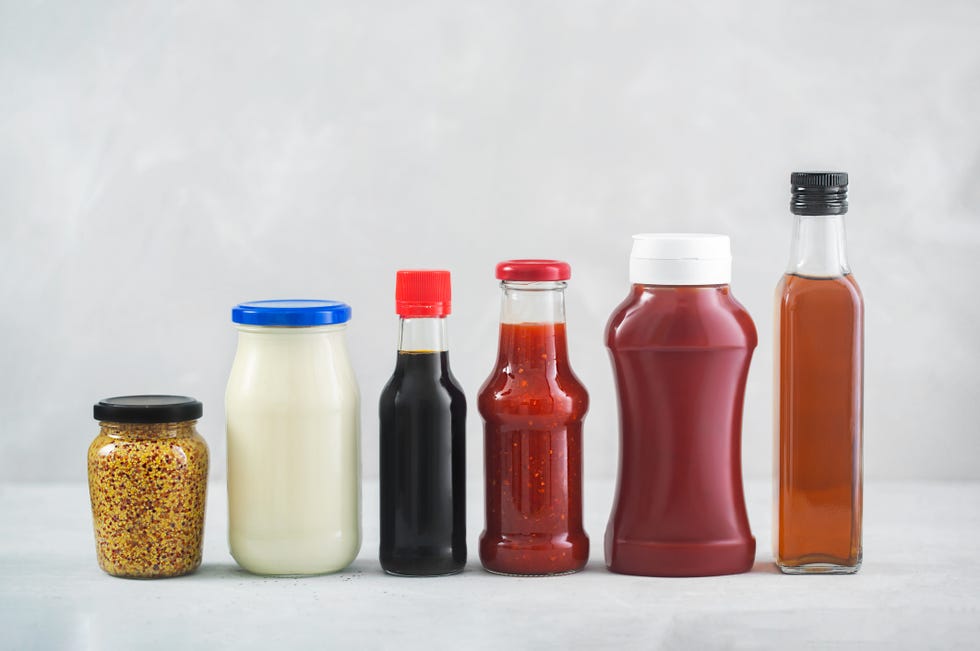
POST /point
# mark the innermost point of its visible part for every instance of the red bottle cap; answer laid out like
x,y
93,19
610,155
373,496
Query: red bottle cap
x,y
533,270
421,293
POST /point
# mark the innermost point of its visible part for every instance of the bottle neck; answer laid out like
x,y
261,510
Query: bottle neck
x,y
423,335
818,248
533,302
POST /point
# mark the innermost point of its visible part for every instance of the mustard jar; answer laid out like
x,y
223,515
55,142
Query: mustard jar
x,y
147,474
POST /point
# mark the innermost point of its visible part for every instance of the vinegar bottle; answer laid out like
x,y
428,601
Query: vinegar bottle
x,y
819,376
423,438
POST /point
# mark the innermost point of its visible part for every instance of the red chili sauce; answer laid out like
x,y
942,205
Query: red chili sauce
x,y
533,406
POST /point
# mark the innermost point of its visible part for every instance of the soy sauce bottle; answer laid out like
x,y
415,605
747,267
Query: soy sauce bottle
x,y
423,431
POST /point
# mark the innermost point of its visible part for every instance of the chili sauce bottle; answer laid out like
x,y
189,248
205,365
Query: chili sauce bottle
x,y
680,346
423,438
819,377
532,406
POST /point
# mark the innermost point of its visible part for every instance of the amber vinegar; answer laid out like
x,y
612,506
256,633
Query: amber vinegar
x,y
819,389
819,436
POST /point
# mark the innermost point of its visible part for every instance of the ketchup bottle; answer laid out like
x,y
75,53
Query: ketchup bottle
x,y
680,345
533,405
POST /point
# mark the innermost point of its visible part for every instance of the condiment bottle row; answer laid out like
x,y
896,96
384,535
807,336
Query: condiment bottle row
x,y
680,346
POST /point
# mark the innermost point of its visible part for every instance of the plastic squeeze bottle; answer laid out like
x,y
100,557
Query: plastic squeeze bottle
x,y
680,346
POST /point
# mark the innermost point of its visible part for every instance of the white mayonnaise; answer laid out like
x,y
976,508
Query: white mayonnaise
x,y
293,451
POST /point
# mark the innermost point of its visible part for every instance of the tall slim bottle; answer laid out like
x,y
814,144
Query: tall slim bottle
x,y
819,377
423,438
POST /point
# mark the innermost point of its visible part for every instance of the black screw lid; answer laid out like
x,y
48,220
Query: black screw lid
x,y
818,193
148,409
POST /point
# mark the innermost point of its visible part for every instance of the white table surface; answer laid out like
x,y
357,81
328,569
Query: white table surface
x,y
919,588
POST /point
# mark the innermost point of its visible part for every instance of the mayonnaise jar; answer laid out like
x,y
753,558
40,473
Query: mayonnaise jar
x,y
292,407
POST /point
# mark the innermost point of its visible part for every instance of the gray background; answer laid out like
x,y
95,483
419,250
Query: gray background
x,y
162,161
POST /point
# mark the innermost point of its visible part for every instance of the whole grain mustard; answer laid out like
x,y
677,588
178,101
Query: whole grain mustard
x,y
148,485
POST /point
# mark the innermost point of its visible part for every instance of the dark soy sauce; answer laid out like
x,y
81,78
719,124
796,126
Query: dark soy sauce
x,y
423,468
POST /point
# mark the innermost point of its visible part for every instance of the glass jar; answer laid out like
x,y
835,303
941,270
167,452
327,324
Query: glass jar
x,y
293,425
533,406
148,475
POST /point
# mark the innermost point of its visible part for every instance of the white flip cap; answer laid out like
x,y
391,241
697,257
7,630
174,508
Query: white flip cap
x,y
681,259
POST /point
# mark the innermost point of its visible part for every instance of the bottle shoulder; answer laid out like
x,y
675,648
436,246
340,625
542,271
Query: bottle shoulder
x,y
679,317
794,290
452,385
507,392
422,379
855,287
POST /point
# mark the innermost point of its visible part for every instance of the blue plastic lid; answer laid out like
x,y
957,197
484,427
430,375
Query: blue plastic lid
x,y
291,313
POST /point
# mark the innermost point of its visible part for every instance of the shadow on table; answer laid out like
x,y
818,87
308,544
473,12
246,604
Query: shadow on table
x,y
764,567
233,572
368,568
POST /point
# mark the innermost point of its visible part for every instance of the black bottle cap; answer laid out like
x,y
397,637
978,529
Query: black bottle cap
x,y
818,193
148,409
